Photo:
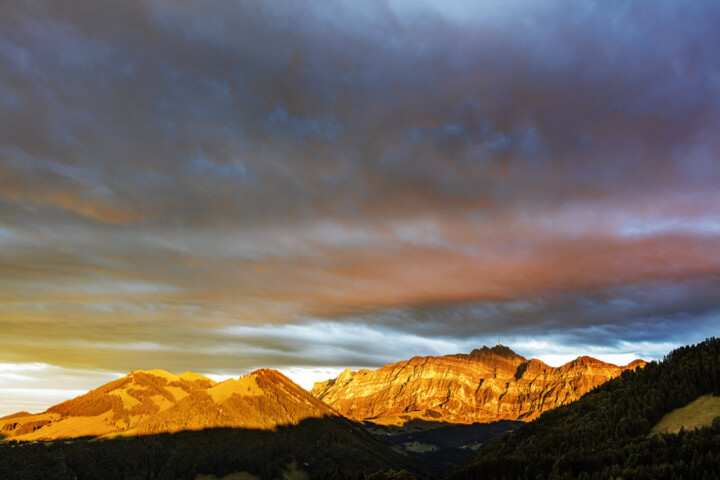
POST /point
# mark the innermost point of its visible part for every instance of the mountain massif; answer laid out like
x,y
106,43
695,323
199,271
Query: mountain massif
x,y
155,401
489,384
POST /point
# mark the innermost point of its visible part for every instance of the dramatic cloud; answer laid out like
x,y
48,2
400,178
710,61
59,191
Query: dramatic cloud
x,y
220,186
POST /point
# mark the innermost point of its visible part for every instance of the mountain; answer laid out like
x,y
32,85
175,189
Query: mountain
x,y
155,424
489,384
155,401
616,431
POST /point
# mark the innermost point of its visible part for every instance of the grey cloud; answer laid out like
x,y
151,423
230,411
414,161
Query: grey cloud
x,y
210,87
649,312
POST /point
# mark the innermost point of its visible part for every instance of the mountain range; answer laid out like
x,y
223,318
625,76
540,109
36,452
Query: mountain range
x,y
428,415
488,385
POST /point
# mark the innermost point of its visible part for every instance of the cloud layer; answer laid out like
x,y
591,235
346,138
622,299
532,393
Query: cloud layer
x,y
219,187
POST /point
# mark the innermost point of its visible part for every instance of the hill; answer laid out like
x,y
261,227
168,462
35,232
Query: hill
x,y
605,434
488,385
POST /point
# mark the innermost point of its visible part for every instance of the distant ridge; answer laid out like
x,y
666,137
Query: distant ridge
x,y
156,401
487,385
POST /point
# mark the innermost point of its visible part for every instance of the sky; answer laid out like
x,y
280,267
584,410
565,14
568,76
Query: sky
x,y
221,186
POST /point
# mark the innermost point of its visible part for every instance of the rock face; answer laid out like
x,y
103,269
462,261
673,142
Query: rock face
x,y
487,385
148,402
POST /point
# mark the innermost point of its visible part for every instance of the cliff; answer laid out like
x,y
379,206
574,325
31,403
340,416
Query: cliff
x,y
487,385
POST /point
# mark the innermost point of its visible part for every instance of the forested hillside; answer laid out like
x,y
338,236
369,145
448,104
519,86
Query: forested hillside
x,y
606,433
317,446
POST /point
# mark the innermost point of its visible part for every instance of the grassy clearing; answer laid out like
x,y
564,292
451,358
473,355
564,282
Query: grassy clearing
x,y
419,447
232,476
698,413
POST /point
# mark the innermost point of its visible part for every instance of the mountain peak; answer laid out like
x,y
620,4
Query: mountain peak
x,y
499,350
267,372
171,377
15,415
637,363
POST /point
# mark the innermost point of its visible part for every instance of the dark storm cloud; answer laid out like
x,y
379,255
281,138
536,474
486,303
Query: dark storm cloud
x,y
407,104
210,183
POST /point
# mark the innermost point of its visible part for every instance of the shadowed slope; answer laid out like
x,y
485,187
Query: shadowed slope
x,y
148,402
487,385
314,446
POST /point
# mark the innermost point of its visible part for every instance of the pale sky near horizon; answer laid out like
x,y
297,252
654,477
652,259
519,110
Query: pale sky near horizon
x,y
222,186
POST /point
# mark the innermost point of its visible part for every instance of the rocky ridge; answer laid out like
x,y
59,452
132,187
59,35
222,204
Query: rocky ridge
x,y
489,384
